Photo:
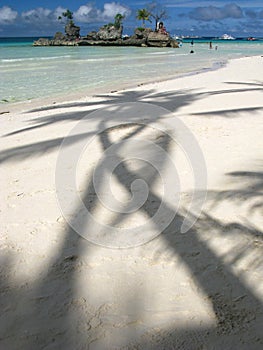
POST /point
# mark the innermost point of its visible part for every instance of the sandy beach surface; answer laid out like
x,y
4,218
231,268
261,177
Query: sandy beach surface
x,y
88,261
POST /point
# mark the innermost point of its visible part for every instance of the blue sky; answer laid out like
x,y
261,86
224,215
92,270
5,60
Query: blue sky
x,y
241,18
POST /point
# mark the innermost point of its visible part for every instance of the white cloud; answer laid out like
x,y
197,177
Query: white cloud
x,y
58,12
111,9
210,13
90,14
206,3
191,3
39,15
84,13
232,11
7,15
42,16
45,20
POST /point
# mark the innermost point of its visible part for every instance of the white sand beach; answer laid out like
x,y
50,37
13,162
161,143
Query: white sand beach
x,y
122,278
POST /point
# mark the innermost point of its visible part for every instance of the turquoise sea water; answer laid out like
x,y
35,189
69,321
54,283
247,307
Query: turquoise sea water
x,y
28,72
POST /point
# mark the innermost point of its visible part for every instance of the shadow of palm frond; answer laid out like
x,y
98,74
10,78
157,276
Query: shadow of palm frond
x,y
50,313
235,305
171,100
253,83
249,190
231,113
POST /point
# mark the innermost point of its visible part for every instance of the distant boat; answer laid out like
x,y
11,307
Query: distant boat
x,y
251,38
227,37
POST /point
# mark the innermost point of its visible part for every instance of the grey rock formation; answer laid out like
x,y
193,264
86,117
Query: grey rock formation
x,y
157,39
72,31
59,36
109,36
142,33
109,33
91,36
54,42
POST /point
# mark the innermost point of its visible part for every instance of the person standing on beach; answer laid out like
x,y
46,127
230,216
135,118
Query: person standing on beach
x,y
210,45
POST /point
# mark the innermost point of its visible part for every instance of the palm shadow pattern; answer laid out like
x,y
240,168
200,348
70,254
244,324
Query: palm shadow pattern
x,y
33,314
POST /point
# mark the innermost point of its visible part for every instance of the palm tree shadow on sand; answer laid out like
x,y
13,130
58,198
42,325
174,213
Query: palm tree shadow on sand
x,y
238,310
52,313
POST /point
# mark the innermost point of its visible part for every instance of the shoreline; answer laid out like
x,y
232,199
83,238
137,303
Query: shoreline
x,y
71,97
176,67
11,107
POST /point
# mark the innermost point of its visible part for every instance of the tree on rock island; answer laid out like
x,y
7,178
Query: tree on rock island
x,y
143,15
68,15
157,12
71,30
118,20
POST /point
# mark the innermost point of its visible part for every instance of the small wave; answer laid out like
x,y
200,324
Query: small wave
x,y
95,59
33,58
158,53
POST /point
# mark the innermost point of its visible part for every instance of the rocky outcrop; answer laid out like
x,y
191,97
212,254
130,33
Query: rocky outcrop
x,y
59,36
110,36
120,42
157,39
152,38
109,33
141,37
69,39
142,33
91,36
54,42
72,31
106,33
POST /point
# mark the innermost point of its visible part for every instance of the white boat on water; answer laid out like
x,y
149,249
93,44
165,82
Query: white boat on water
x,y
227,37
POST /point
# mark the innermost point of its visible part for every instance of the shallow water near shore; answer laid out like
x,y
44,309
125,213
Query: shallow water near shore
x,y
29,72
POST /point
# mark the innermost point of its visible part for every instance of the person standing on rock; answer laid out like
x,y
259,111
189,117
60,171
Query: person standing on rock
x,y
162,29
